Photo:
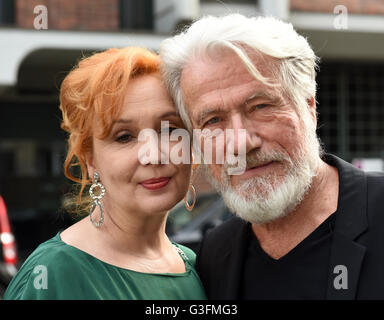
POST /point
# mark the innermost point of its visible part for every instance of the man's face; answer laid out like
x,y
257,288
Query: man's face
x,y
221,94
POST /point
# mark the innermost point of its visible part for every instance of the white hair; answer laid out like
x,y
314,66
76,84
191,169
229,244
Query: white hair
x,y
266,35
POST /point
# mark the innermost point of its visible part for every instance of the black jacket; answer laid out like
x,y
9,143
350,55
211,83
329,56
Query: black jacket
x,y
358,242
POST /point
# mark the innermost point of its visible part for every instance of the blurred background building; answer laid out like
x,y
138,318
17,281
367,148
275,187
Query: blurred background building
x,y
41,40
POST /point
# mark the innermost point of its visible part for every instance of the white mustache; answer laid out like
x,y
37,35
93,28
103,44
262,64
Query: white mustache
x,y
258,158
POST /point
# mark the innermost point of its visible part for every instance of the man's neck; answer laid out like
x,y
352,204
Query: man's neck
x,y
279,237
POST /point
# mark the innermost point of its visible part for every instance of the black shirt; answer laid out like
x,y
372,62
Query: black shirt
x,y
301,274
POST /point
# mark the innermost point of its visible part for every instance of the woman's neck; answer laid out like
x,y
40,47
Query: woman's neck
x,y
134,232
121,234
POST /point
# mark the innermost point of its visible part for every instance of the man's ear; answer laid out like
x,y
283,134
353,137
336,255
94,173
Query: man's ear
x,y
312,109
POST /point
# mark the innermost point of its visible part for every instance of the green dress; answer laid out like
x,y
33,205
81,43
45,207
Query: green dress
x,y
56,270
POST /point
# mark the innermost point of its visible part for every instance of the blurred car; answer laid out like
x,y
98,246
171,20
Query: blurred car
x,y
9,260
189,227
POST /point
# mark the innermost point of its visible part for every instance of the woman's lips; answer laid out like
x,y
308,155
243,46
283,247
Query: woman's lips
x,y
155,183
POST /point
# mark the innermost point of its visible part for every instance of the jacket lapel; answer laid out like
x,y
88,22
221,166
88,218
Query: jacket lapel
x,y
233,261
351,221
344,269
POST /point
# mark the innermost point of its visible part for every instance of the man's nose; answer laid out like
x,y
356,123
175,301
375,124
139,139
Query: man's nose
x,y
245,138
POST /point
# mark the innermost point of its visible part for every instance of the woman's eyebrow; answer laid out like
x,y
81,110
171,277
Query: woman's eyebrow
x,y
122,121
129,121
169,113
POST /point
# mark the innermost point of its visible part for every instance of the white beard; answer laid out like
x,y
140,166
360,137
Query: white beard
x,y
267,198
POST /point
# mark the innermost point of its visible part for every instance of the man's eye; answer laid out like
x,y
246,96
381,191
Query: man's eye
x,y
213,120
124,138
259,106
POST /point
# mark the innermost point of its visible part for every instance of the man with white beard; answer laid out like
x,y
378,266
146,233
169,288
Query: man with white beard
x,y
308,224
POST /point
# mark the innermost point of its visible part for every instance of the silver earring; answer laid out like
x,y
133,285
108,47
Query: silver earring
x,y
96,200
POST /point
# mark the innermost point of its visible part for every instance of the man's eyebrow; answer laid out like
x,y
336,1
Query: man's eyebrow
x,y
257,95
262,95
206,112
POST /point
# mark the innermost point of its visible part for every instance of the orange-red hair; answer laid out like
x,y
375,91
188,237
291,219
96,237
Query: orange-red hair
x,y
95,90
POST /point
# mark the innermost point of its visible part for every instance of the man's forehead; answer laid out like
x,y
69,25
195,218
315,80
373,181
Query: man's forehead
x,y
193,75
227,61
201,75
204,76
193,70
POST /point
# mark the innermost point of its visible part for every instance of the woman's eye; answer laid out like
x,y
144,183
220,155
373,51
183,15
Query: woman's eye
x,y
170,129
124,138
213,120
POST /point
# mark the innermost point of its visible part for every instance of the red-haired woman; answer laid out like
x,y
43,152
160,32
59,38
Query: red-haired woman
x,y
122,252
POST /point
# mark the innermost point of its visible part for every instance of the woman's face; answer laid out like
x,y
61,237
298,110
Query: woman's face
x,y
115,158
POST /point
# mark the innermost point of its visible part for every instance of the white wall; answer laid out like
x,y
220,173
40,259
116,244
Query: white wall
x,y
363,39
16,43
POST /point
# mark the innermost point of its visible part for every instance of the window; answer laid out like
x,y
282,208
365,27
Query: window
x,y
7,12
351,113
136,15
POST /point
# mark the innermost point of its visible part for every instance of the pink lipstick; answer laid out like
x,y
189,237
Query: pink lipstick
x,y
155,183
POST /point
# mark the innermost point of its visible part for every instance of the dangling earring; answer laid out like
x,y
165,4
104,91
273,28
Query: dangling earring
x,y
188,206
96,200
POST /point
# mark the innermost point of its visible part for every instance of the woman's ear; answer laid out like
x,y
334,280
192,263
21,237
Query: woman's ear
x,y
195,159
90,166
